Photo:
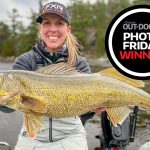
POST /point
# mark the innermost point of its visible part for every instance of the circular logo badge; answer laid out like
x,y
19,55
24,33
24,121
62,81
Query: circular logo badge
x,y
127,42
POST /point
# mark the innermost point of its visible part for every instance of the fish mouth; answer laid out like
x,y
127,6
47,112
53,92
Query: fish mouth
x,y
1,79
1,84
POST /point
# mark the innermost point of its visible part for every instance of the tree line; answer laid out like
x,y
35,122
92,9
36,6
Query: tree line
x,y
89,23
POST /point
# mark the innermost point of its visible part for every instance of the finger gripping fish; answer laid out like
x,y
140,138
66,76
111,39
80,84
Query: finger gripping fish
x,y
59,90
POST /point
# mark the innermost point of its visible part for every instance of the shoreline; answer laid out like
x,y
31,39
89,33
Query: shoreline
x,y
7,59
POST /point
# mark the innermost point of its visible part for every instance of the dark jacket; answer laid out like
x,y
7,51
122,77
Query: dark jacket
x,y
39,57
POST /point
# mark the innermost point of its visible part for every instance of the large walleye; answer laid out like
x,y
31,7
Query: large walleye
x,y
60,91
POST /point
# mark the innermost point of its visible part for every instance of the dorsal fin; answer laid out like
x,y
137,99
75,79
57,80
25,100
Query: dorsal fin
x,y
112,72
60,68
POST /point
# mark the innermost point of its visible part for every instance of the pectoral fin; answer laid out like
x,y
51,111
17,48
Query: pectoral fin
x,y
33,123
117,114
34,104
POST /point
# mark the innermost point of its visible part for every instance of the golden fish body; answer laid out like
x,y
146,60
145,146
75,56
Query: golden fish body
x,y
38,94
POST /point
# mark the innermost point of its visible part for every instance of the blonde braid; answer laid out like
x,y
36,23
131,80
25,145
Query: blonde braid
x,y
74,48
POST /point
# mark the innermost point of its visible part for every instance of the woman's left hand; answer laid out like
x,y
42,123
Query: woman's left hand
x,y
99,110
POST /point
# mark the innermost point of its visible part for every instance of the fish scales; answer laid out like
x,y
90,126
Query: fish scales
x,y
60,92
67,91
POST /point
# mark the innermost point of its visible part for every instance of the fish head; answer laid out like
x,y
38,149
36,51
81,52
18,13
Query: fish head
x,y
7,91
7,83
1,80
2,93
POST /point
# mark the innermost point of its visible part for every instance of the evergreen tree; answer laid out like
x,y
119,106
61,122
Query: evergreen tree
x,y
141,2
4,35
80,20
11,44
115,6
14,21
101,26
28,37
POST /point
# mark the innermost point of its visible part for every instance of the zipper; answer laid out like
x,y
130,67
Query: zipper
x,y
50,130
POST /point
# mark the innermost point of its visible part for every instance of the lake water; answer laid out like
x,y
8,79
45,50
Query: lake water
x,y
11,123
5,65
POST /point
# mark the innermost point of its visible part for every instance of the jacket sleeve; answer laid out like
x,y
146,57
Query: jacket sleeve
x,y
23,62
82,65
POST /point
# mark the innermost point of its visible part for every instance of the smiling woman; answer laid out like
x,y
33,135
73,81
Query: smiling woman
x,y
53,31
56,44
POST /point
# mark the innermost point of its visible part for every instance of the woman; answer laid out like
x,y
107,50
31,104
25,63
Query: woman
x,y
56,44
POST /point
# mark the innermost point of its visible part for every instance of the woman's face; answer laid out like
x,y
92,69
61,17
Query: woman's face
x,y
53,31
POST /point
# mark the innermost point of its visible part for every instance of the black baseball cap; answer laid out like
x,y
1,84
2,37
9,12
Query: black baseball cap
x,y
54,8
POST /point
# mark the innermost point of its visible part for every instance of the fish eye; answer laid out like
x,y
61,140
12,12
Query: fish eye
x,y
10,76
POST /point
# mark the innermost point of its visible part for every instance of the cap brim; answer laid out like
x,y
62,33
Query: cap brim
x,y
39,19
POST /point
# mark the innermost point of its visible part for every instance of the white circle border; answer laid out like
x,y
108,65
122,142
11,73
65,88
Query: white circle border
x,y
137,10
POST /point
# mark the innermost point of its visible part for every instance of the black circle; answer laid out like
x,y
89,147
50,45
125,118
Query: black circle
x,y
128,51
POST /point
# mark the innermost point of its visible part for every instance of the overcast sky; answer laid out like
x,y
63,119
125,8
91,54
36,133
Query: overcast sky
x,y
23,7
